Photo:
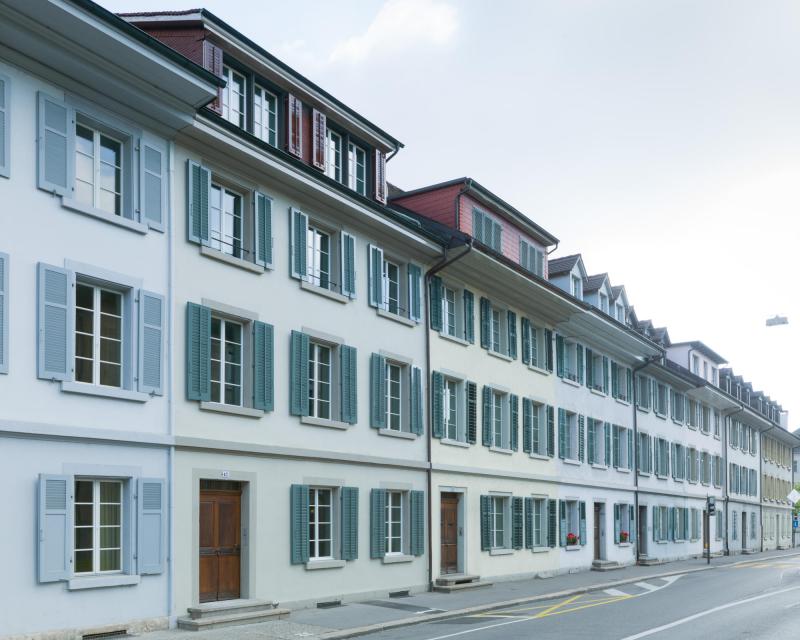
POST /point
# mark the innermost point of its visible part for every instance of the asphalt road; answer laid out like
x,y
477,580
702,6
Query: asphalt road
x,y
753,600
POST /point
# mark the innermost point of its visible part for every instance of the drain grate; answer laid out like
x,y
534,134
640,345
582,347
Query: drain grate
x,y
116,633
329,605
400,594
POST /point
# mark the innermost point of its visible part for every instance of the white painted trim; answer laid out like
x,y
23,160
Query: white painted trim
x,y
325,293
501,552
313,565
68,386
323,422
396,559
120,221
456,339
322,336
405,435
454,443
98,582
245,412
208,252
397,318
228,310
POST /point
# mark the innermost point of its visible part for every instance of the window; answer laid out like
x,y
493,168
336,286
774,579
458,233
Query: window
x,y
660,523
98,335
705,419
620,313
693,418
705,370
678,407
622,447
496,330
319,257
620,381
643,398
603,302
394,417
596,371
233,97
539,522
324,257
645,464
539,429
449,311
531,258
705,466
391,287
319,380
577,287
570,358
394,287
535,341
692,465
98,170
357,169
451,410
320,524
226,361
624,523
662,458
499,438
695,365
265,115
662,399
499,522
573,522
679,462
333,155
487,230
596,432
98,526
225,221
568,434
394,522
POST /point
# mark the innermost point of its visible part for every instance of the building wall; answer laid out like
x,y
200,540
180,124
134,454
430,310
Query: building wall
x,y
438,204
777,510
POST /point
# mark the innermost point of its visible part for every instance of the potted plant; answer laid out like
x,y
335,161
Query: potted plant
x,y
572,539
623,536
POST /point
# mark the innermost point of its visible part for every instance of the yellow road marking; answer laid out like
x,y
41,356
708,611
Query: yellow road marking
x,y
557,606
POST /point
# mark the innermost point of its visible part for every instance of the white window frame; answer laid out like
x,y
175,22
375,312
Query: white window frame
x,y
314,523
571,436
500,419
97,338
334,151
234,116
576,286
97,162
262,99
603,298
500,538
395,507
539,522
450,309
96,526
314,382
220,242
573,518
454,404
352,168
223,321
539,426
314,257
400,386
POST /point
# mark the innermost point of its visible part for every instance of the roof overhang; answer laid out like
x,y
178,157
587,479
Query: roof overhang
x,y
696,345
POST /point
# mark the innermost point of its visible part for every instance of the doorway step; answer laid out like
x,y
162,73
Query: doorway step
x,y
459,582
605,565
649,562
229,613
748,552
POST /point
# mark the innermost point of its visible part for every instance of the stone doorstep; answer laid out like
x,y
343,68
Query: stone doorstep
x,y
450,588
456,578
224,607
231,619
606,565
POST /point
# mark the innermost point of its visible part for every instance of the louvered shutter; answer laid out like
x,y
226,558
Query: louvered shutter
x,y
5,126
562,523
153,180
320,126
559,356
349,383
55,320
469,316
416,503
486,312
263,229
377,523
517,520
151,529
552,523
514,413
512,334
656,524
629,384
263,366
55,146
590,438
614,379
630,449
380,176
198,352
562,433
527,425
55,511
605,374
297,243
579,352
631,523
617,527
349,523
415,292
435,311
673,511
487,417
377,393
486,523
529,523
416,401
582,534
477,226
437,404
298,374
551,435
348,248
581,438
376,297
590,381
212,61
539,434
524,258
617,447
294,125
198,189
548,345
607,436
298,520
472,412
152,322
4,267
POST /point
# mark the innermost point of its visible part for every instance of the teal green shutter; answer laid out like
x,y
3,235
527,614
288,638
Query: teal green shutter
x,y
469,316
298,374
632,523
526,341
486,312
437,404
416,501
55,320
377,523
263,230
513,401
527,425
548,345
152,312
472,412
617,526
552,523
605,374
607,436
581,438
630,449
349,383
377,391
375,270
54,536
348,265
263,366
435,310
297,243
562,433
656,523
487,416
349,523
617,447
4,312
582,534
551,432
614,379
562,522
56,141
529,523
672,515
416,400
414,292
198,193
153,179
5,126
579,352
198,352
486,523
298,532
589,369
151,526
591,434
559,356
512,334
629,384
517,519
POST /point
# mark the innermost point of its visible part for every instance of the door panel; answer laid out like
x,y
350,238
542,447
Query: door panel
x,y
449,533
220,540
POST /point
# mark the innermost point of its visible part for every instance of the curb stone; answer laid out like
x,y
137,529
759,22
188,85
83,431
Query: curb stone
x,y
481,608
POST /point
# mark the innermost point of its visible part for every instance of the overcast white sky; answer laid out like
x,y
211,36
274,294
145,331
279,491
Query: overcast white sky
x,y
659,138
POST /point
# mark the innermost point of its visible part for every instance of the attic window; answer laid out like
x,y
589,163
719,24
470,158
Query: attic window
x,y
577,287
603,303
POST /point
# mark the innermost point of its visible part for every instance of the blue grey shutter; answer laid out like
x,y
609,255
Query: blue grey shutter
x,y
375,258
348,265
631,523
656,523
527,425
607,436
5,126
552,523
559,356
617,526
298,374
263,229
263,366
617,447
529,523
526,341
55,323
630,449
551,432
605,374
486,523
514,414
581,438
151,527
486,311
416,503
152,182
582,533
416,400
55,142
517,520
512,334
4,312
198,352
472,412
297,243
562,433
55,527
349,523
349,383
469,316
298,523
377,523
377,391
435,310
198,199
591,434
487,417
152,321
579,352
548,346
414,292
437,404
562,523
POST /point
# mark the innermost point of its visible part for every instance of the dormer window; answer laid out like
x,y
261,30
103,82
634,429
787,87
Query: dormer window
x,y
695,365
603,303
233,97
531,258
357,169
265,115
705,370
333,156
620,313
577,287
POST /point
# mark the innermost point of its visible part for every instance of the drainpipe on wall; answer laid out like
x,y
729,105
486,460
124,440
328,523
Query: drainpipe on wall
x,y
170,398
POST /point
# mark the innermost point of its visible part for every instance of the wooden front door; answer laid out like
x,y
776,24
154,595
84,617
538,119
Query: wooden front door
x,y
597,524
449,533
220,540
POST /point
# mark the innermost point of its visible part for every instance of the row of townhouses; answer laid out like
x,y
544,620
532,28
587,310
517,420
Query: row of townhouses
x,y
236,364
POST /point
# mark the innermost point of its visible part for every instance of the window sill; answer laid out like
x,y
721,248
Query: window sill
x,y
325,293
660,477
456,339
396,559
678,422
74,205
624,544
572,383
502,450
322,422
645,474
643,409
539,370
623,470
663,416
100,582
623,401
103,392
214,254
575,463
405,435
662,541
692,427
602,394
603,467
245,412
454,443
539,456
397,318
500,552
573,547
500,356
540,549
313,565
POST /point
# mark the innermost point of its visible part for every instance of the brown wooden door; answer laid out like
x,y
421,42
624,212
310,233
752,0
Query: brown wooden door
x,y
449,533
220,528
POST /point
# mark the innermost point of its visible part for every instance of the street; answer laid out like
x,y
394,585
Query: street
x,y
760,599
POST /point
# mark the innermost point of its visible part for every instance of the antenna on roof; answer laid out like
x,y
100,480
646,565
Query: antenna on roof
x,y
776,320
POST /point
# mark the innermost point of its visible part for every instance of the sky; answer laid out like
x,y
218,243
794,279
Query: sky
x,y
660,139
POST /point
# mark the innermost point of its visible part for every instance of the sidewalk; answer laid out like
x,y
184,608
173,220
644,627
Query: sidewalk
x,y
354,619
